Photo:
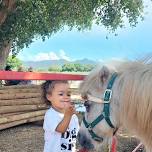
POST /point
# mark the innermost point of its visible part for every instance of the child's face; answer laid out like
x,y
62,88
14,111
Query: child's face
x,y
60,97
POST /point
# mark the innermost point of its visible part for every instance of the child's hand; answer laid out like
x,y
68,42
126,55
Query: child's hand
x,y
70,110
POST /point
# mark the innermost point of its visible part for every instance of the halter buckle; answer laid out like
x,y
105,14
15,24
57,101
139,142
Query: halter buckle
x,y
107,95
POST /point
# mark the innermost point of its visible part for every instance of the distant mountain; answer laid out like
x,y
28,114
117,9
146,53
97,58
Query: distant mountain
x,y
85,61
45,64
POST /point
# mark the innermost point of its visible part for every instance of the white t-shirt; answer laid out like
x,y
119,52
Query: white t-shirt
x,y
55,141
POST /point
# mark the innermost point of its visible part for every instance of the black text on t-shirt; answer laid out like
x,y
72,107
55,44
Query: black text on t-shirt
x,y
70,136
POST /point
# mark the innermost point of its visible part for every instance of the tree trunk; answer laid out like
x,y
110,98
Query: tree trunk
x,y
4,52
7,7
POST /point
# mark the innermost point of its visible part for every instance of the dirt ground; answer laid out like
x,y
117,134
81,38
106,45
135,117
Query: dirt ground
x,y
24,138
29,138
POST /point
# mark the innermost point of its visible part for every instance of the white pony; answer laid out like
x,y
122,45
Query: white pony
x,y
129,104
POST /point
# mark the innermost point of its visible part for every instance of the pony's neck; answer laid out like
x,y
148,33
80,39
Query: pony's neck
x,y
131,105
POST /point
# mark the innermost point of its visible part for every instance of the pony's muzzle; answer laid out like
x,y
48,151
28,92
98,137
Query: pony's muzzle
x,y
84,141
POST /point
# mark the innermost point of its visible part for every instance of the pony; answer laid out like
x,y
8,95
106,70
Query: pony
x,y
127,102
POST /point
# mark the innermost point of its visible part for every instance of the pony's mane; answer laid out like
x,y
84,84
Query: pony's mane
x,y
136,97
135,85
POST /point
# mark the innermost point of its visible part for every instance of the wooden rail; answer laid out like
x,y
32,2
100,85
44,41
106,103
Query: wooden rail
x,y
13,75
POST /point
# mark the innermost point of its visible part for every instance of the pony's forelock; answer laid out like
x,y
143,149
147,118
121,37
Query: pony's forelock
x,y
95,80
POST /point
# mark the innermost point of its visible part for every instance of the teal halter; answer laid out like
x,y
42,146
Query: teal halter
x,y
106,112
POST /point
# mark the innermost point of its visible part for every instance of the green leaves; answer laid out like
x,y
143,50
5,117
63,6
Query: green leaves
x,y
112,14
42,18
14,62
76,67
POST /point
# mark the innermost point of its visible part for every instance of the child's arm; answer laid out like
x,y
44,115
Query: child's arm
x,y
63,125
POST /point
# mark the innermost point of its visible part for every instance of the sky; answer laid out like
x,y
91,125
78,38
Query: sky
x,y
130,43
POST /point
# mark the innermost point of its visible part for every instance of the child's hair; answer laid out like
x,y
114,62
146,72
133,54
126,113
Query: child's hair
x,y
48,86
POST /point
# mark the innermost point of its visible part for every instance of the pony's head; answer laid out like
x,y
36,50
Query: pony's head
x,y
101,118
114,98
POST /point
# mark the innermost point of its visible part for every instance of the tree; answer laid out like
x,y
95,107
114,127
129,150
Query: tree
x,y
88,67
15,63
23,20
55,68
77,67
69,67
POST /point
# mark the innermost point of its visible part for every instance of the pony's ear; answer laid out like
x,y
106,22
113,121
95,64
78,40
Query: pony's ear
x,y
104,74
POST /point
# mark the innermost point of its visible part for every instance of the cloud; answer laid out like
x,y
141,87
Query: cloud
x,y
46,56
64,56
51,56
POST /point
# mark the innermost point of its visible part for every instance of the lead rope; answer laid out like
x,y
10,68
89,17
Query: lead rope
x,y
140,144
114,145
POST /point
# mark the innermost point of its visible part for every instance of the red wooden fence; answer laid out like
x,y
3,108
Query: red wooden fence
x,y
13,75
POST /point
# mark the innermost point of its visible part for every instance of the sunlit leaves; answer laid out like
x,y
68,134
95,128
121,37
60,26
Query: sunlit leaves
x,y
13,62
